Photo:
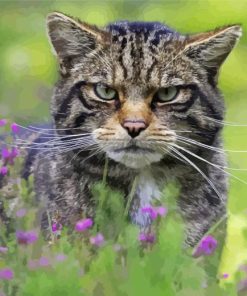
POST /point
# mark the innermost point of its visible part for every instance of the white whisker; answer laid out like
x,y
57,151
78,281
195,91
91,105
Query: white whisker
x,y
210,163
199,170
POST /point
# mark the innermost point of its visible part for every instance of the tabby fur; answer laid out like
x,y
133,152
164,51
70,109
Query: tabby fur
x,y
136,59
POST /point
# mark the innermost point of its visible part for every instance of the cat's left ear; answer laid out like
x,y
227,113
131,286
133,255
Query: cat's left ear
x,y
72,38
210,49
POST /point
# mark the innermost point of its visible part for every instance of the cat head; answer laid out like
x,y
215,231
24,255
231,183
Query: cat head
x,y
136,87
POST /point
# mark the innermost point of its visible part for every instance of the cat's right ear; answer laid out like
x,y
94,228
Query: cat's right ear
x,y
71,38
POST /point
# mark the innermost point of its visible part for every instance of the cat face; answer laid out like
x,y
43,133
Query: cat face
x,y
137,87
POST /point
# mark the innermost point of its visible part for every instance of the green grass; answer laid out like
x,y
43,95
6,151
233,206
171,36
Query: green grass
x,y
121,266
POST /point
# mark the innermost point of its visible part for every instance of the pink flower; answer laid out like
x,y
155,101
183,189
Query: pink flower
x,y
6,274
13,154
5,153
3,170
15,128
3,250
33,264
83,224
225,275
154,212
56,227
206,246
21,213
9,156
61,257
26,237
3,122
97,240
44,261
162,211
147,237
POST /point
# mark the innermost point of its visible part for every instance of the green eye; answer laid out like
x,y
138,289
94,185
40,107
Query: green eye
x,y
105,92
164,95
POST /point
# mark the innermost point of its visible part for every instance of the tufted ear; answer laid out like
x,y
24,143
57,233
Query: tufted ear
x,y
210,49
71,38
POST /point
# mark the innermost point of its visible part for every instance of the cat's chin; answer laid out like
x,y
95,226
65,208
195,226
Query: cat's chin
x,y
135,160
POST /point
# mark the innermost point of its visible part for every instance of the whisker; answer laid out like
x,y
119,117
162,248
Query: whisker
x,y
210,163
199,170
54,129
209,147
37,130
228,123
54,142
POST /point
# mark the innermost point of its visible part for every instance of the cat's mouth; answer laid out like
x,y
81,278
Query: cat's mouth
x,y
133,149
134,156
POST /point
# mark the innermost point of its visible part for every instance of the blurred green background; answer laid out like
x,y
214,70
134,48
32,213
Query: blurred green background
x,y
28,72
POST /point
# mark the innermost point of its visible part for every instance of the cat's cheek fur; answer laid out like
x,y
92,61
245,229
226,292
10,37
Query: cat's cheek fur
x,y
135,160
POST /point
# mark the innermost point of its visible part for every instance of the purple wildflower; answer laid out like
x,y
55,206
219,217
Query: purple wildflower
x,y
5,154
33,264
3,250
206,246
44,261
26,237
15,128
56,227
6,274
225,275
97,240
13,154
9,156
150,210
162,211
21,213
61,257
147,237
3,122
3,170
83,224
154,212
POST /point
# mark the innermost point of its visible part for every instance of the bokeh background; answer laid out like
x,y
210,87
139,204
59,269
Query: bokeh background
x,y
28,72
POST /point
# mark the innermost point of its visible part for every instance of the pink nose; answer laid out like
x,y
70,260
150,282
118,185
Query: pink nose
x,y
134,126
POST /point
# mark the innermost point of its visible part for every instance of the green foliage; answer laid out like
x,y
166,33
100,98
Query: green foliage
x,y
121,266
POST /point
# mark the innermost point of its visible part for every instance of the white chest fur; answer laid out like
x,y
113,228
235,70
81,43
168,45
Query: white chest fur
x,y
147,190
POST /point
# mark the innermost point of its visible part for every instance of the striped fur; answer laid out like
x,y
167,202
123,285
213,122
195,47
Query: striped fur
x,y
136,59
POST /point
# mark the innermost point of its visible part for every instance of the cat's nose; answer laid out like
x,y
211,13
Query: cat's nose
x,y
134,126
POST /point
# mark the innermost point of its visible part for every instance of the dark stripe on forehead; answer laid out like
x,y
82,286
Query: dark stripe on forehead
x,y
150,69
125,73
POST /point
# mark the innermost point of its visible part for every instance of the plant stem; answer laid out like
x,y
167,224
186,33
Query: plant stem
x,y
105,170
131,195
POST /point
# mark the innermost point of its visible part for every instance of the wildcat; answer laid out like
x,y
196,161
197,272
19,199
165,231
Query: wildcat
x,y
145,98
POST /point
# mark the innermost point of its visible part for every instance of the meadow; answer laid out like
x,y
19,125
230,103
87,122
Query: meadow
x,y
108,256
